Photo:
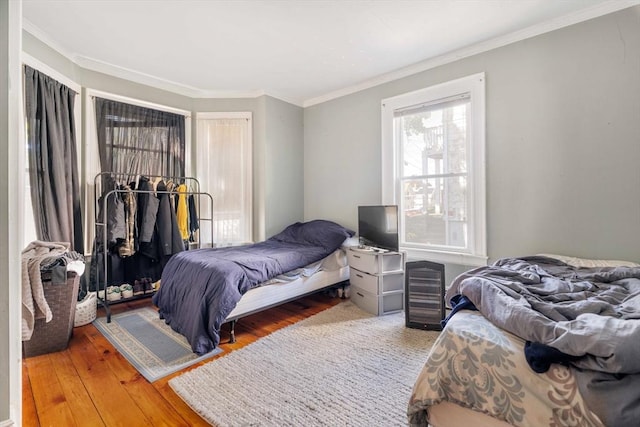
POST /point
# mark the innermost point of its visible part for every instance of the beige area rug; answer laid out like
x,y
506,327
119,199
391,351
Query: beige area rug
x,y
340,367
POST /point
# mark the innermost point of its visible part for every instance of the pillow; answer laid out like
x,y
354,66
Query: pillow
x,y
318,232
586,262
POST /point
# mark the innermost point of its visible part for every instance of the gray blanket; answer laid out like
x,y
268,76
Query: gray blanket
x,y
593,313
34,303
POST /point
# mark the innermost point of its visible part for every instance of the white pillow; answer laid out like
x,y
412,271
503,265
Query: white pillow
x,y
351,241
586,262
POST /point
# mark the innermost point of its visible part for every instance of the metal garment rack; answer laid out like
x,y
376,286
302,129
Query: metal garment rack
x,y
102,285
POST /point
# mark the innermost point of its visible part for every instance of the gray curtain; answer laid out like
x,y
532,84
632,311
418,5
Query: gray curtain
x,y
53,166
136,140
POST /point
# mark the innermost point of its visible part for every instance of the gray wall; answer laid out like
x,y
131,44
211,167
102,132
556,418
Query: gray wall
x,y
284,155
563,142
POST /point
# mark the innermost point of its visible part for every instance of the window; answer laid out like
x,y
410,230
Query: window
x,y
433,169
165,131
224,166
138,140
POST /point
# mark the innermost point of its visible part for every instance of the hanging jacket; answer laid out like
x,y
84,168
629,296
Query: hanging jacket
x,y
169,237
182,215
128,246
148,205
193,218
116,227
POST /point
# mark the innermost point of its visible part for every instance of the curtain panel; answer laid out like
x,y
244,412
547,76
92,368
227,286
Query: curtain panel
x,y
135,140
52,157
224,149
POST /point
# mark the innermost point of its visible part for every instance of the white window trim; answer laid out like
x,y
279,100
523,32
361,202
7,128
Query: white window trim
x,y
44,68
475,84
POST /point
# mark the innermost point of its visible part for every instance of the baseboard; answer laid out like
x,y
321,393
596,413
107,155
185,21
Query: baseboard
x,y
7,423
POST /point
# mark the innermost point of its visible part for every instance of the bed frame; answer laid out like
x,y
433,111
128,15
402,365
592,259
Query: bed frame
x,y
265,297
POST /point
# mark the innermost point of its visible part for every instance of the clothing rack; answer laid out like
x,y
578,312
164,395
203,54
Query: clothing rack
x,y
101,225
119,176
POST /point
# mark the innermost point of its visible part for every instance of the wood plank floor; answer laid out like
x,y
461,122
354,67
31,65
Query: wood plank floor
x,y
92,384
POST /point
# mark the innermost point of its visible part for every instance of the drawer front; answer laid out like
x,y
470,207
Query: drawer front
x,y
365,300
376,284
392,282
363,261
391,302
364,281
392,262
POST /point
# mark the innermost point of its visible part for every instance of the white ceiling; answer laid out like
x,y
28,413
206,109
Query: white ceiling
x,y
304,51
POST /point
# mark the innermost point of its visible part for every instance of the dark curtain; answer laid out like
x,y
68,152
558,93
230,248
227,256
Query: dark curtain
x,y
136,140
53,166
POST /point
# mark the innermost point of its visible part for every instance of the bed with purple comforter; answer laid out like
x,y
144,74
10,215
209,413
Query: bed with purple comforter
x,y
199,288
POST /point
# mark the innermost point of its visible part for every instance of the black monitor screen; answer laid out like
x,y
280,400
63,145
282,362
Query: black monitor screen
x,y
378,226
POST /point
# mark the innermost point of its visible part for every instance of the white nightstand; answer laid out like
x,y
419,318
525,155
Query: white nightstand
x,y
377,280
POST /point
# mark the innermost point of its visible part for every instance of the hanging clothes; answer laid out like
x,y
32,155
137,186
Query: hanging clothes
x,y
182,214
142,230
193,218
148,210
170,239
128,246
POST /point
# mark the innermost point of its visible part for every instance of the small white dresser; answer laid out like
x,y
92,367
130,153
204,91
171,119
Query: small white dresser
x,y
377,280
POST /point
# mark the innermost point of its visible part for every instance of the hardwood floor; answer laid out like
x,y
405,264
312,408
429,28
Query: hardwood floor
x,y
92,384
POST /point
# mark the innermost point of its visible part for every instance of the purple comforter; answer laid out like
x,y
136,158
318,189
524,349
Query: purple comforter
x,y
199,288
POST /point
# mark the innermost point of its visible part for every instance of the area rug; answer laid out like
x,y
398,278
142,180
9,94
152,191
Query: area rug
x,y
341,367
148,343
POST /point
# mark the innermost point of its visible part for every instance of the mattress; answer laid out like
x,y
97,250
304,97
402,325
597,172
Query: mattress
x,y
482,368
294,284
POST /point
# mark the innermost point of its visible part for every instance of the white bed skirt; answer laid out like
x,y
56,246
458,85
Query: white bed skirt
x,y
263,297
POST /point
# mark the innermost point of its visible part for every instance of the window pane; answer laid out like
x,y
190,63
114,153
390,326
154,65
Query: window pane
x,y
435,211
433,168
434,141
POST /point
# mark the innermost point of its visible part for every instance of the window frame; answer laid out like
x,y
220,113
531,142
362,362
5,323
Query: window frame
x,y
475,254
91,157
202,153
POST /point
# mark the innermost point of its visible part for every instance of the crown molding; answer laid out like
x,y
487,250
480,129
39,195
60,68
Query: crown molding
x,y
171,86
532,31
135,76
595,11
142,78
35,31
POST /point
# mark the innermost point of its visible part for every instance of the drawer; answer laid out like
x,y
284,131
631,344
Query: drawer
x,y
376,284
363,281
363,261
375,262
392,302
378,305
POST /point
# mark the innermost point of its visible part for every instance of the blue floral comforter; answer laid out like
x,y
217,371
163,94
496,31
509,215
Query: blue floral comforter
x,y
586,318
479,366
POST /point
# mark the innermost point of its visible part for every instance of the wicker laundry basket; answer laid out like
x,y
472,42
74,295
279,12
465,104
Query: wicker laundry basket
x,y
52,336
